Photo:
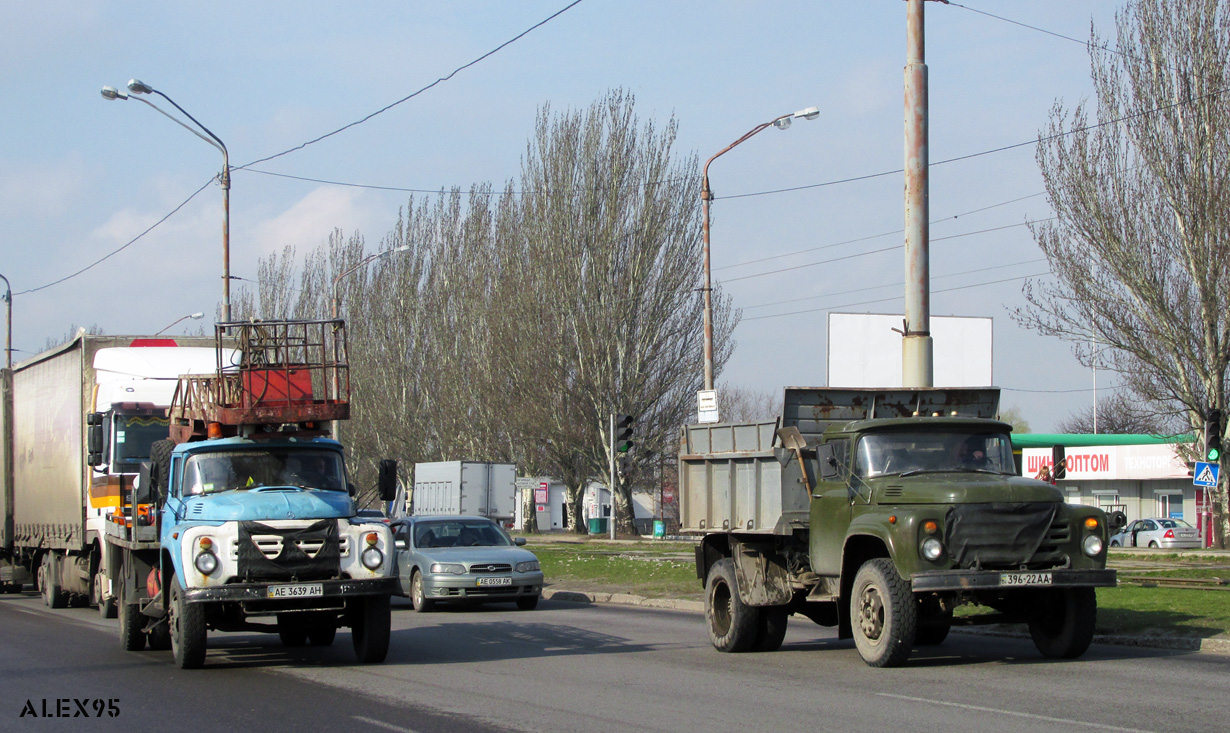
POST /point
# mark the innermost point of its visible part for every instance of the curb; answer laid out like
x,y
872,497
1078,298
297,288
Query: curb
x,y
1205,646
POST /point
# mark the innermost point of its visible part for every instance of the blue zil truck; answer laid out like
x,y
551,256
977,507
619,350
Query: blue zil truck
x,y
243,519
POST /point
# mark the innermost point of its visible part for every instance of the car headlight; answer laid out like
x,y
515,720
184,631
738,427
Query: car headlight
x,y
528,566
1092,545
372,558
932,549
451,568
206,562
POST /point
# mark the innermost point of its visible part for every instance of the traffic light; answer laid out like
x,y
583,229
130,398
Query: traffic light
x,y
623,432
1212,437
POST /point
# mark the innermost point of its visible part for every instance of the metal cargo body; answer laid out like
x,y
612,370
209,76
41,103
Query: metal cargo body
x,y
466,487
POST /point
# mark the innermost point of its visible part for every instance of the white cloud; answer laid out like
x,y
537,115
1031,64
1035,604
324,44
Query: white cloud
x,y
309,221
43,189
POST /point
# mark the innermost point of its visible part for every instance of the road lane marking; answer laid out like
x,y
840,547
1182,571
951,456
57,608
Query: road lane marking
x,y
999,711
382,724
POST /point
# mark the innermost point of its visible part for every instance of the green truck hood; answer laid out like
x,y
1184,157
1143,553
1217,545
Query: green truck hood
x,y
960,488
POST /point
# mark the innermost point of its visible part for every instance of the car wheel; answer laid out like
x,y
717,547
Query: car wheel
x,y
1153,543
1114,543
732,623
421,603
527,603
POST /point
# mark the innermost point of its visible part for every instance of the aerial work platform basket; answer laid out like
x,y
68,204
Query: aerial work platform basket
x,y
272,377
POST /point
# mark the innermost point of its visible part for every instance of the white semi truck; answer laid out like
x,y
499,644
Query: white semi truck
x,y
76,422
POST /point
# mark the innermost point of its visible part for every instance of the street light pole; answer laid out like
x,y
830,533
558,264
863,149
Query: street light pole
x,y
8,331
362,263
193,316
137,87
706,195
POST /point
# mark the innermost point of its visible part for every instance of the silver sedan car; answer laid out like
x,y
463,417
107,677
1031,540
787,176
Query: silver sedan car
x,y
1167,534
463,559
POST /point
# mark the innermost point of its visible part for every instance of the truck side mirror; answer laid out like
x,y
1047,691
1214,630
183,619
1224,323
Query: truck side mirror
x,y
1059,467
827,458
94,441
387,482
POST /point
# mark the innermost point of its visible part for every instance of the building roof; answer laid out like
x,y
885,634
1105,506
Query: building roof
x,y
1046,440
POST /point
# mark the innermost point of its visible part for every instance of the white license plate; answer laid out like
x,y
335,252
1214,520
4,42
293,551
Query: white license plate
x,y
495,581
303,590
1025,579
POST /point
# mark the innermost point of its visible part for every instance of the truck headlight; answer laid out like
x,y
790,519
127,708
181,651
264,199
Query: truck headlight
x,y
528,566
372,558
1092,545
932,549
206,563
450,568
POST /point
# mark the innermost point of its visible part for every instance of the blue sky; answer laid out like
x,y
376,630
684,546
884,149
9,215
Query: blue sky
x,y
81,176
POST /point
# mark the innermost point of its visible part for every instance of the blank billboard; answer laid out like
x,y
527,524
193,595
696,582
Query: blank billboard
x,y
865,351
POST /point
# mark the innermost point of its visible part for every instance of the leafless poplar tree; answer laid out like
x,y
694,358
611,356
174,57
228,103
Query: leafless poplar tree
x,y
1140,183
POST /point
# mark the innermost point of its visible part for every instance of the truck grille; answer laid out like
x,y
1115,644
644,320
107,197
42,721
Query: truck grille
x,y
1005,536
270,546
311,552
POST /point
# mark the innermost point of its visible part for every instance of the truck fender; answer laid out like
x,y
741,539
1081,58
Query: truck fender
x,y
761,576
858,549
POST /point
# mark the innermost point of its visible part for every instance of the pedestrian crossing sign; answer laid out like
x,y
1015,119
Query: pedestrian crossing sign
x,y
1205,474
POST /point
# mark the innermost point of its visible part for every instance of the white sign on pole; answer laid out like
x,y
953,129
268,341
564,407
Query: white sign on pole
x,y
864,350
706,406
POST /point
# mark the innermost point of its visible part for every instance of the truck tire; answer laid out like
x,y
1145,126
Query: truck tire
x,y
883,614
771,629
106,606
1063,621
160,636
421,603
132,623
934,622
290,631
160,464
369,629
322,635
49,582
187,622
732,623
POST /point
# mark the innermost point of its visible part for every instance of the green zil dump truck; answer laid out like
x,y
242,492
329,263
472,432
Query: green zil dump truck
x,y
879,511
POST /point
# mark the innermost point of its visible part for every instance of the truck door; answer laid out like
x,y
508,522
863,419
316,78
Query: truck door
x,y
830,507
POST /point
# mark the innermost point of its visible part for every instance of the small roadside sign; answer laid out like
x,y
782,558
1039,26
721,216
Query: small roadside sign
x,y
540,494
706,406
1205,474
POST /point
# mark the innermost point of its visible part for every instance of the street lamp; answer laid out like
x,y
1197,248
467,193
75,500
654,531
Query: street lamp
x,y
8,332
137,87
193,316
706,196
362,263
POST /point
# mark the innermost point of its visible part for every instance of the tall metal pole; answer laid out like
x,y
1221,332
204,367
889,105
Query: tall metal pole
x,y
611,519
8,337
917,368
705,196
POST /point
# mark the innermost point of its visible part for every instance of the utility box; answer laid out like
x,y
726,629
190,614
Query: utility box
x,y
466,487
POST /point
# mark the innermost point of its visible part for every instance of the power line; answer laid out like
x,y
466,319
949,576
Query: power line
x,y
123,247
408,97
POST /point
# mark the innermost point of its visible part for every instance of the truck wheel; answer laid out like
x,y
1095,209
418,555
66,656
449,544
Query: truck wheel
x,y
160,463
106,606
369,629
187,622
49,582
322,635
1062,622
132,623
421,603
934,622
160,637
732,623
883,614
770,629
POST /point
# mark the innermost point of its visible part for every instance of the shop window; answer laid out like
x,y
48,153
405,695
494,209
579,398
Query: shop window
x,y
1170,506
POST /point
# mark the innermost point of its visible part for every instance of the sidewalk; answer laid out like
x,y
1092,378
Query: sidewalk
x,y
1208,646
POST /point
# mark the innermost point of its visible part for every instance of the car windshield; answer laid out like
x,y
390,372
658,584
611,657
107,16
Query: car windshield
x,y
205,473
906,452
459,533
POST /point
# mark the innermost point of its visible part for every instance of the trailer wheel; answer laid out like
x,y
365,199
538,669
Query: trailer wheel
x,y
771,629
732,623
49,582
883,614
132,623
106,606
187,622
1062,622
369,628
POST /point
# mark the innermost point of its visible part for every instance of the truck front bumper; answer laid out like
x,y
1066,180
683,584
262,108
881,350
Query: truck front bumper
x,y
946,580
260,591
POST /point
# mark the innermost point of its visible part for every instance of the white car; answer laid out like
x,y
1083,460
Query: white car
x,y
1167,534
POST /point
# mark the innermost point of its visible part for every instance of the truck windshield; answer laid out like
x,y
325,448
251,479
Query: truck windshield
x,y
205,473
134,434
906,452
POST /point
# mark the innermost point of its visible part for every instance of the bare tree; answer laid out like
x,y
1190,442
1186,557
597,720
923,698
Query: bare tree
x,y
1119,414
1140,185
741,404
